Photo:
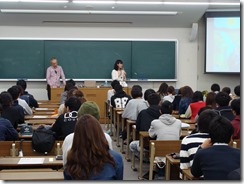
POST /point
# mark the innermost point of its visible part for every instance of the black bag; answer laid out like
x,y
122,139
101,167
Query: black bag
x,y
43,140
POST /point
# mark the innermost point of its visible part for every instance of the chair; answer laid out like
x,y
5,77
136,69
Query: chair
x,y
160,148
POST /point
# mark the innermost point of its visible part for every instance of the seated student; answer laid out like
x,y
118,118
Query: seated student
x,y
228,91
215,88
190,143
111,92
145,117
235,105
237,91
120,98
135,105
170,94
162,91
166,127
72,92
186,97
223,108
176,101
196,104
68,86
30,100
13,114
91,108
147,93
15,92
65,123
215,159
7,131
90,157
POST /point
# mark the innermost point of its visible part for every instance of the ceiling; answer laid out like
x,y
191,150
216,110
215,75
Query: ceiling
x,y
186,14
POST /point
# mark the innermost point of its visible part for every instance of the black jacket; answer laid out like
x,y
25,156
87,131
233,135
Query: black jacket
x,y
120,94
30,100
14,114
226,112
7,131
146,116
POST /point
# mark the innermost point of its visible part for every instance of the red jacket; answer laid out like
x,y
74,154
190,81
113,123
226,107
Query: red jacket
x,y
236,124
195,107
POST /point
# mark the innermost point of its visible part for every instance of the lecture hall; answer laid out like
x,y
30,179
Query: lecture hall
x,y
125,90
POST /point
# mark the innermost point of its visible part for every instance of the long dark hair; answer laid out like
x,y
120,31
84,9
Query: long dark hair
x,y
163,89
90,149
116,64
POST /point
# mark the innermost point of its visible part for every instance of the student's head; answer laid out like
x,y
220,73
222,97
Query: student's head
x,y
210,99
163,89
187,92
166,107
197,96
222,99
14,92
171,90
235,105
226,90
72,104
91,108
6,99
90,149
147,93
215,87
68,86
22,83
237,90
71,81
113,83
220,130
136,91
118,88
74,91
154,99
118,64
204,119
54,62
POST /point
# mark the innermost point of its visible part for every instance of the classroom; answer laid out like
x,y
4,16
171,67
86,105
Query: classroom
x,y
151,42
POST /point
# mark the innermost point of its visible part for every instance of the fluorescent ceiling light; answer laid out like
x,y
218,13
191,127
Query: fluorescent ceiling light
x,y
37,1
90,12
202,3
118,2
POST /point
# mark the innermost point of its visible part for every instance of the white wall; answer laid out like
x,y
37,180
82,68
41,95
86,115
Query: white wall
x,y
190,59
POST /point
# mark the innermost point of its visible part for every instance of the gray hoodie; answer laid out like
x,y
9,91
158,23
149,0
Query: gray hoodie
x,y
166,127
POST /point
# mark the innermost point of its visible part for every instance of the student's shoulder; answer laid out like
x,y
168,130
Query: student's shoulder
x,y
117,156
4,121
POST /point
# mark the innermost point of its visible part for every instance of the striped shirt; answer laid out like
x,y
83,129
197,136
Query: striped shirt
x,y
189,146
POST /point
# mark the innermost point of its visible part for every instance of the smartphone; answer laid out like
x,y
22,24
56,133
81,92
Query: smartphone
x,y
59,157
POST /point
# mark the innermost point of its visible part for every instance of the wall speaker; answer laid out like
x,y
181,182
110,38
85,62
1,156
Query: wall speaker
x,y
194,31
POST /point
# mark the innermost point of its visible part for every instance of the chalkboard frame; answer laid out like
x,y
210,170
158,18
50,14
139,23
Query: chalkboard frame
x,y
101,39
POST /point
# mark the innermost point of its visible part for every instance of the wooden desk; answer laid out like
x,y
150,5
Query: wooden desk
x,y
12,162
53,106
44,109
129,124
116,128
133,166
40,121
169,162
40,117
98,95
43,113
39,175
119,120
143,134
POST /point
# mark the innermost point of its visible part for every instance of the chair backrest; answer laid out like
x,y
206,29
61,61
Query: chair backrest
x,y
236,143
26,147
164,147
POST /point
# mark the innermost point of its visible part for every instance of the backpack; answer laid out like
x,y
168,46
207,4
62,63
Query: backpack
x,y
43,140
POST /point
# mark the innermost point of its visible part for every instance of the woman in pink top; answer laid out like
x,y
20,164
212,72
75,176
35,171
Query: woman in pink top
x,y
196,104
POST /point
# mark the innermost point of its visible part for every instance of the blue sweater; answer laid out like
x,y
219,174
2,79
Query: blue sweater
x,y
183,105
216,162
108,172
7,131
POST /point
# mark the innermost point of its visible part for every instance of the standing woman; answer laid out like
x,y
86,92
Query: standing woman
x,y
119,73
90,157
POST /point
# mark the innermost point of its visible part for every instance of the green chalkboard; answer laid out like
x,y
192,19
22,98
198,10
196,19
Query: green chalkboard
x,y
22,59
153,60
88,59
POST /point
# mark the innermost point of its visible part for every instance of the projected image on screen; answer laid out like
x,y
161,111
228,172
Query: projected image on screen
x,y
223,44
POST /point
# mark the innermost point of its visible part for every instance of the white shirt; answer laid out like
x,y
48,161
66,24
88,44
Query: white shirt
x,y
68,141
115,76
109,95
25,106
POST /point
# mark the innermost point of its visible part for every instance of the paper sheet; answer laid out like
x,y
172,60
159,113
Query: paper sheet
x,y
31,161
40,117
184,125
39,109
